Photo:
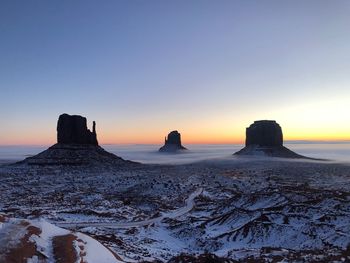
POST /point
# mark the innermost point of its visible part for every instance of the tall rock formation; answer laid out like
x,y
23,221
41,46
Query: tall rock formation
x,y
172,143
265,138
264,133
72,129
76,145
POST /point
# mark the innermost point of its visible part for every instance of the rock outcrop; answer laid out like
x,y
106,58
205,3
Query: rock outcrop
x,y
265,138
172,143
76,145
72,129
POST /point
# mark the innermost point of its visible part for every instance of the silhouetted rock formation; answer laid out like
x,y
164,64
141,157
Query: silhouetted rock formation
x,y
265,138
76,145
172,143
264,133
72,129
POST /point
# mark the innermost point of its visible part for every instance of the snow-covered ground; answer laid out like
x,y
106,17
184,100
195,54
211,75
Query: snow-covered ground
x,y
237,208
35,241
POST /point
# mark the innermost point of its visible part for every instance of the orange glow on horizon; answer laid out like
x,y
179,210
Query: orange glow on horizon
x,y
296,123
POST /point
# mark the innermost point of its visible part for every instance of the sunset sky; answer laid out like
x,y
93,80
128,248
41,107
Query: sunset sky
x,y
206,68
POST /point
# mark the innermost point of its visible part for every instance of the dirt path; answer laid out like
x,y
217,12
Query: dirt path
x,y
172,214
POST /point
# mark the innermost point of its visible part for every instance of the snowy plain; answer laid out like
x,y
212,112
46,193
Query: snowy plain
x,y
203,201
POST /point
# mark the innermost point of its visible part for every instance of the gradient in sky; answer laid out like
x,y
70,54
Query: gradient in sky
x,y
205,68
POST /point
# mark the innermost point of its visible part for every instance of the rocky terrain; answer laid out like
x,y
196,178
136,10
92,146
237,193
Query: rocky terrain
x,y
237,209
75,154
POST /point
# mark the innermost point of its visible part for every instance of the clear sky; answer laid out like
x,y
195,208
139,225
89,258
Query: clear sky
x,y
144,68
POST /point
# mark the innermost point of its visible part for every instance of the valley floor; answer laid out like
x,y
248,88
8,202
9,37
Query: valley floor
x,y
237,209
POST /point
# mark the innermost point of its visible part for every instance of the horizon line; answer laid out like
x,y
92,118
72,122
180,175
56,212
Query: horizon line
x,y
192,143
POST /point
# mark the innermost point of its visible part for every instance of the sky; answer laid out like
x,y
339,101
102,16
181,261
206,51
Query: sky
x,y
141,69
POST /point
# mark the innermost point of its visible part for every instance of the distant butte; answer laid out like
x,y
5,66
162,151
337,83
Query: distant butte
x,y
265,138
172,143
76,145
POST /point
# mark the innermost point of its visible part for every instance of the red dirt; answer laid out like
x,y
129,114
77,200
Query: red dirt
x,y
63,249
25,249
3,218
